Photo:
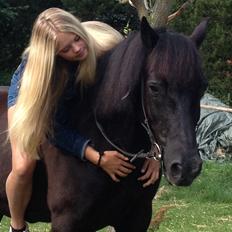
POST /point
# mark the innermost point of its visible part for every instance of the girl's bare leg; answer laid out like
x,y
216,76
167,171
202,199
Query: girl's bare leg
x,y
19,183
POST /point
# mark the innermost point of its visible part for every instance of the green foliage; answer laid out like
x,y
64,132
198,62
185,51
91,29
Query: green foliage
x,y
216,49
12,36
108,11
5,77
16,19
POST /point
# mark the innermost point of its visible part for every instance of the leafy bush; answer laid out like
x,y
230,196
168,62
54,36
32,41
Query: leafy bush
x,y
16,18
216,49
108,11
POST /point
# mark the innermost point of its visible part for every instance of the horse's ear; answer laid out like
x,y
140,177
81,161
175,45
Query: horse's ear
x,y
199,32
148,35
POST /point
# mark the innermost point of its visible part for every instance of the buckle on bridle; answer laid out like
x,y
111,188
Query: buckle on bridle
x,y
155,152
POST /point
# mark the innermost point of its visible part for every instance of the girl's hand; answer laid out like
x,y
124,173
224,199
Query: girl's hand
x,y
151,169
116,165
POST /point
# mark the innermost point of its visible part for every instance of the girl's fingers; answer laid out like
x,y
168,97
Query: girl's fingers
x,y
125,170
128,165
149,182
152,180
145,166
145,176
121,174
114,178
150,177
122,157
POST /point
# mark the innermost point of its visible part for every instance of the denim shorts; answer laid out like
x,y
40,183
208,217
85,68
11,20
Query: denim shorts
x,y
15,85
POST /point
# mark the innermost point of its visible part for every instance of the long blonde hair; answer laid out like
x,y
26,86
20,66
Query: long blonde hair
x,y
40,88
105,37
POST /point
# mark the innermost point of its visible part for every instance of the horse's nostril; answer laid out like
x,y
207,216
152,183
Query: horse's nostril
x,y
176,170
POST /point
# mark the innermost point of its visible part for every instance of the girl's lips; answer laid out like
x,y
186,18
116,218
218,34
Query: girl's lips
x,y
81,54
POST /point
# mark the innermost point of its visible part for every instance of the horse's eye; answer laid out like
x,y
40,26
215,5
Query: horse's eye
x,y
155,89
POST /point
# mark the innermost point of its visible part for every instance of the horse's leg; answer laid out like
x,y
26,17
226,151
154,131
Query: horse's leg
x,y
62,222
1,216
138,219
66,222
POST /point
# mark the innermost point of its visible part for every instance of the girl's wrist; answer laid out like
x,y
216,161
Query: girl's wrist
x,y
92,155
100,158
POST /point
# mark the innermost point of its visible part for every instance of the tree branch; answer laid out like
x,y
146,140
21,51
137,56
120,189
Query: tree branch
x,y
123,1
180,10
139,5
158,14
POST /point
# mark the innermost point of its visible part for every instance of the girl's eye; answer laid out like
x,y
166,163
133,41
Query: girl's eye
x,y
65,50
77,38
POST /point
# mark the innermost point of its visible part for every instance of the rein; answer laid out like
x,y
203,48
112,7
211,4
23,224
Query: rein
x,y
155,150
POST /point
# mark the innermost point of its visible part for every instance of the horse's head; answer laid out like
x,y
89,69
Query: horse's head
x,y
174,84
169,66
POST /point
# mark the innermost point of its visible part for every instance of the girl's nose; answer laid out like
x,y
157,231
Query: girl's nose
x,y
76,47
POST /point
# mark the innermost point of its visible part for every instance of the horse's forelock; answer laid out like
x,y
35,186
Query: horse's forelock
x,y
175,58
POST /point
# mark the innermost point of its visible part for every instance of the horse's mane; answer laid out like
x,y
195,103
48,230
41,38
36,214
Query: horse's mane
x,y
121,68
173,58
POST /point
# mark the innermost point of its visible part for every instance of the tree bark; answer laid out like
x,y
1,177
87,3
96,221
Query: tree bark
x,y
139,5
160,13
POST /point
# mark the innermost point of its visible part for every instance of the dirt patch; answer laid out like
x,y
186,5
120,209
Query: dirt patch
x,y
160,216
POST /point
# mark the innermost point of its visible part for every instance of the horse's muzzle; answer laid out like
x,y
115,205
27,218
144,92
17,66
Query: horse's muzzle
x,y
183,172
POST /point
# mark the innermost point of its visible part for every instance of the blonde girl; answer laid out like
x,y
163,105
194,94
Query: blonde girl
x,y
62,53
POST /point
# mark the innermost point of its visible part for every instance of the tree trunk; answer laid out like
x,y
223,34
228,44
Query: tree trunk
x,y
160,13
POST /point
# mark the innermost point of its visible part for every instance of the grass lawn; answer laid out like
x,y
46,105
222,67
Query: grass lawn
x,y
205,206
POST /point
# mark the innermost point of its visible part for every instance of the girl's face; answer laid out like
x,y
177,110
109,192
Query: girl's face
x,y
71,47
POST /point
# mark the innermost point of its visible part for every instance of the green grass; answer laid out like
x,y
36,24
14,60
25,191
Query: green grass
x,y
205,206
37,227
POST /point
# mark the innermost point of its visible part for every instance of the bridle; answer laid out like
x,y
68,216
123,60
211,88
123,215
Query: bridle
x,y
155,150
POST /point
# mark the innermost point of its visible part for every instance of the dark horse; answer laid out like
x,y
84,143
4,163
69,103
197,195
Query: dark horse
x,y
156,69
